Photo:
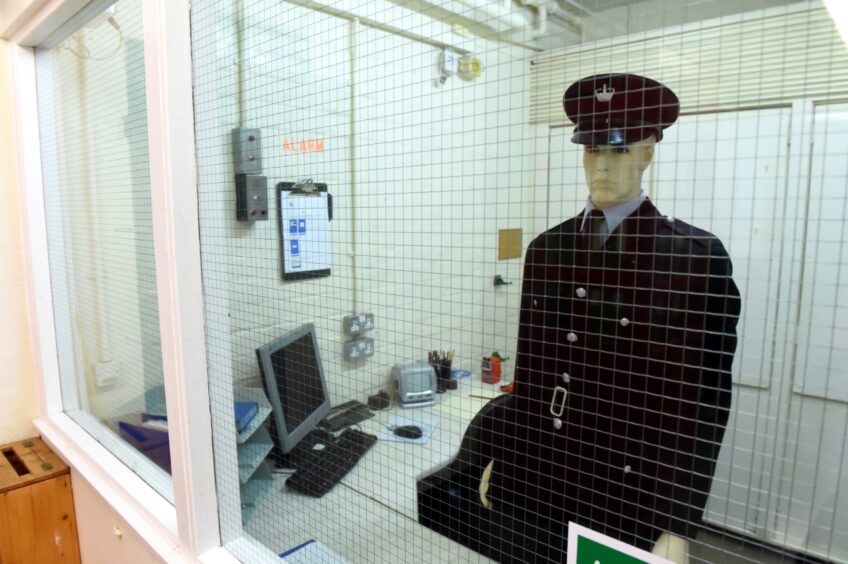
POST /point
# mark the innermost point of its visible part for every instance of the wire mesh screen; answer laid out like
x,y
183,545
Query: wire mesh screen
x,y
97,202
524,281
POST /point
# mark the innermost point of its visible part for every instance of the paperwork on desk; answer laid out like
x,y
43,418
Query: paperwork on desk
x,y
426,423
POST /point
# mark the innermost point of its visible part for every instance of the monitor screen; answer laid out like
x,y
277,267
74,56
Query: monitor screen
x,y
298,381
294,381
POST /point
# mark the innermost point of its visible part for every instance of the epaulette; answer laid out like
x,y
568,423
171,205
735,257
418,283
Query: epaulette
x,y
680,228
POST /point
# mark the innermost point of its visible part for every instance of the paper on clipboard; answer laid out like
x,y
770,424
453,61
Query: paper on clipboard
x,y
305,229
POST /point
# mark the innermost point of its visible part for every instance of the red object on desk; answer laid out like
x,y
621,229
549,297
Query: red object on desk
x,y
491,369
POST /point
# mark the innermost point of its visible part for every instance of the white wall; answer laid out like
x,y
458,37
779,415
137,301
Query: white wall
x,y
438,170
12,10
18,386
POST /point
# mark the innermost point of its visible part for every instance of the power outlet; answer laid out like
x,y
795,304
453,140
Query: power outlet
x,y
354,324
106,374
357,323
358,349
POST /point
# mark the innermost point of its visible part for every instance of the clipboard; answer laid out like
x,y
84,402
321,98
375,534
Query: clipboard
x,y
305,242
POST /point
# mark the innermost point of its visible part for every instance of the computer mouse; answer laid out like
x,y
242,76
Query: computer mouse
x,y
409,432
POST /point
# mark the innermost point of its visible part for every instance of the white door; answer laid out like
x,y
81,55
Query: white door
x,y
726,173
811,492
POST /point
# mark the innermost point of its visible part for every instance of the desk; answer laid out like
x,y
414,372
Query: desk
x,y
378,497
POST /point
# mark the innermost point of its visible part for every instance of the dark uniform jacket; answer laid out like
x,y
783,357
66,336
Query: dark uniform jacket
x,y
622,381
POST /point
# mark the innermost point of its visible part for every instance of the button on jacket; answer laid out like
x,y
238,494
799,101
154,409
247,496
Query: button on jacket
x,y
622,382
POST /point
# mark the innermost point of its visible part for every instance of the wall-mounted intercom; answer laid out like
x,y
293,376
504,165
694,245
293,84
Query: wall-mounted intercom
x,y
251,197
251,185
247,151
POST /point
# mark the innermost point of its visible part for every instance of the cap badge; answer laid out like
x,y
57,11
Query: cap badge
x,y
604,94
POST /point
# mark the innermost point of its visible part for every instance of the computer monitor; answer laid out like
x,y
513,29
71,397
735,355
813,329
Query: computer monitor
x,y
294,381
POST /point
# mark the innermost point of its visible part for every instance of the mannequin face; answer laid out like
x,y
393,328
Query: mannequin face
x,y
614,173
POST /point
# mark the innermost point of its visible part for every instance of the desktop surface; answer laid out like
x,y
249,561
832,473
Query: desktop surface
x,y
378,496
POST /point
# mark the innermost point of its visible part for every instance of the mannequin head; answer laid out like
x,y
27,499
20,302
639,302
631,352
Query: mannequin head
x,y
618,118
614,172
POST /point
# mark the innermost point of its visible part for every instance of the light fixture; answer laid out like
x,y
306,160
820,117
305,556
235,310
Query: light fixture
x,y
470,67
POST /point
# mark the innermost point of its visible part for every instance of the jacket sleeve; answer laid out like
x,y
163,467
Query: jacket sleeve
x,y
723,304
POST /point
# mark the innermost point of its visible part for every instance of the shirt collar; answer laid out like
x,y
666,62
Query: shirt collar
x,y
614,215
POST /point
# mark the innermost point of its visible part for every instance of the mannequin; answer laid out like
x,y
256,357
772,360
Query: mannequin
x,y
614,174
622,378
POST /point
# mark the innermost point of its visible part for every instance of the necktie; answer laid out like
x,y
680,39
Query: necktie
x,y
596,223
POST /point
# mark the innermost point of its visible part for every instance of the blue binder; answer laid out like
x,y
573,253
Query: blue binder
x,y
245,412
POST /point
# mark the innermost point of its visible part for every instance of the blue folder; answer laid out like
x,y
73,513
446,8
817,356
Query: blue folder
x,y
245,412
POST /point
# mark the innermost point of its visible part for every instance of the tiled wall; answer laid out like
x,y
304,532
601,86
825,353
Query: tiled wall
x,y
438,169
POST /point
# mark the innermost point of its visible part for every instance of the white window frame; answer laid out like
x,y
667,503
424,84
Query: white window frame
x,y
187,530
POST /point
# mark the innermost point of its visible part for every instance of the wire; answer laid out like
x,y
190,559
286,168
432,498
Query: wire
x,y
110,55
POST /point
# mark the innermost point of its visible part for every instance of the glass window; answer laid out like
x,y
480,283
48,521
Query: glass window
x,y
480,275
92,112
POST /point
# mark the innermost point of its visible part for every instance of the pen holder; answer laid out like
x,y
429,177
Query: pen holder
x,y
443,376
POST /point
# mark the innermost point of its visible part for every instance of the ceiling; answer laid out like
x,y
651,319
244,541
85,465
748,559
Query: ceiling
x,y
590,20
593,6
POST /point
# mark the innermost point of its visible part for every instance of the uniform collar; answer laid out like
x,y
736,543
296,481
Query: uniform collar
x,y
614,215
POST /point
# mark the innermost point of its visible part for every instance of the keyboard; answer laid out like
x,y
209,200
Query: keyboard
x,y
345,415
326,467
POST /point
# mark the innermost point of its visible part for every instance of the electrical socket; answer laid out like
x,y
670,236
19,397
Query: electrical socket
x,y
357,323
106,374
358,349
353,324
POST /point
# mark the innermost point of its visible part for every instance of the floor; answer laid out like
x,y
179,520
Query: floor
x,y
718,548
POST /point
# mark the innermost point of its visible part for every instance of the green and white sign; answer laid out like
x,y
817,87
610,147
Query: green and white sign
x,y
585,546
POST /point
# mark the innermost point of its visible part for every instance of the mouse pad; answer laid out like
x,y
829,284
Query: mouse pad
x,y
427,425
